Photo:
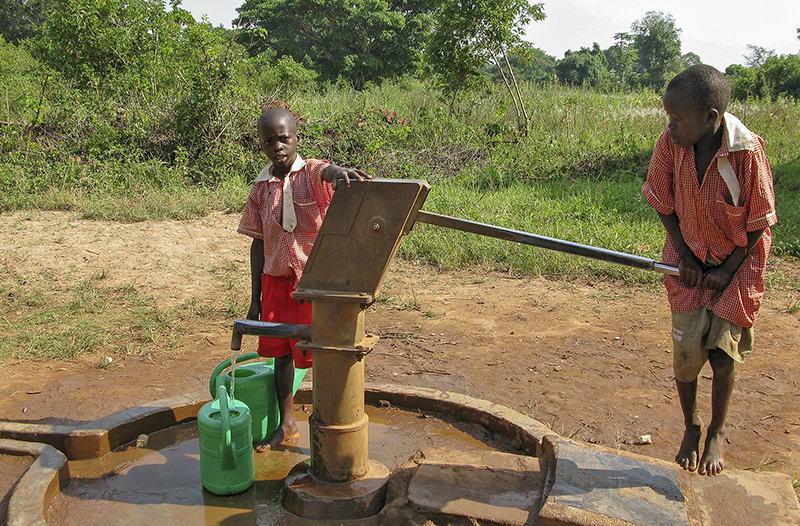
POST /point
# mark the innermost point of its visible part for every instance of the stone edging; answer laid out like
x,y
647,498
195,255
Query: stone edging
x,y
39,485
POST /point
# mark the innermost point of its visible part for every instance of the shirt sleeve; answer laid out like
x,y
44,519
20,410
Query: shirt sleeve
x,y
323,190
251,224
657,189
761,211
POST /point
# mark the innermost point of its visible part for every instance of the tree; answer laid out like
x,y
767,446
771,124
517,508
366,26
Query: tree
x,y
139,55
529,64
623,61
22,18
757,56
782,75
691,59
356,40
470,34
745,82
97,41
586,67
657,41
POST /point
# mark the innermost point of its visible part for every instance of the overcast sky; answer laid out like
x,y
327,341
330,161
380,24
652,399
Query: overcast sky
x,y
718,31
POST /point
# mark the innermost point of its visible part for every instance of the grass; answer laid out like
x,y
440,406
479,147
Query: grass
x,y
576,176
43,318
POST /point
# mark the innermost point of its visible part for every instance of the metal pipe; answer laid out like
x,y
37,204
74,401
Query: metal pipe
x,y
266,328
559,245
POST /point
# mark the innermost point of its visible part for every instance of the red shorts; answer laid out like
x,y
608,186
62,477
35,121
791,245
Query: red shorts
x,y
277,305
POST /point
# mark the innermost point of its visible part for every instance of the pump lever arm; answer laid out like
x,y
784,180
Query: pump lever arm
x,y
560,245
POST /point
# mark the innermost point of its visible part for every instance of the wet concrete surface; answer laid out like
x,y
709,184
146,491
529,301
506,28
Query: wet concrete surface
x,y
161,484
620,487
13,468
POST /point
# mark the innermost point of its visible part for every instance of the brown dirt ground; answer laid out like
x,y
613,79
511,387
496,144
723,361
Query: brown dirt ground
x,y
592,360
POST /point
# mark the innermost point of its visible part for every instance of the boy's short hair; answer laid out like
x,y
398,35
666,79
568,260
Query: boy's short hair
x,y
705,87
276,113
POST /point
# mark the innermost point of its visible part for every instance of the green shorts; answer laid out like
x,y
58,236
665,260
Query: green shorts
x,y
695,333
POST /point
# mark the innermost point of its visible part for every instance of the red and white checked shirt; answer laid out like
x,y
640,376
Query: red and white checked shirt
x,y
286,253
712,225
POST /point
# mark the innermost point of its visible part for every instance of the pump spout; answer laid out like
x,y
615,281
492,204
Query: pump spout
x,y
290,331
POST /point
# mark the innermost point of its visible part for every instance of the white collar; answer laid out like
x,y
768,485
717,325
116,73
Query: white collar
x,y
266,172
736,134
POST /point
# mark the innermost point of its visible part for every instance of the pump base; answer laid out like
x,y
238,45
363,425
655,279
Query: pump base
x,y
310,498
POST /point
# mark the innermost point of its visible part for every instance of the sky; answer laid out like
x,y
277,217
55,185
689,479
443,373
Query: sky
x,y
719,31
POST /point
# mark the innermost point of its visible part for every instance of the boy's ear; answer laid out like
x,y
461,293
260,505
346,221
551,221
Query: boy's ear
x,y
713,115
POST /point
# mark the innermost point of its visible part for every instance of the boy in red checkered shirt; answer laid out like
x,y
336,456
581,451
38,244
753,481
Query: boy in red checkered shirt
x,y
284,212
711,185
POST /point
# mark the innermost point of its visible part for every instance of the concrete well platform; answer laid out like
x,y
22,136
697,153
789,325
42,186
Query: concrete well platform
x,y
593,485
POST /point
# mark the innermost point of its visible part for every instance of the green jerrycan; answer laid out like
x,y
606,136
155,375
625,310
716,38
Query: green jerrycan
x,y
255,386
226,445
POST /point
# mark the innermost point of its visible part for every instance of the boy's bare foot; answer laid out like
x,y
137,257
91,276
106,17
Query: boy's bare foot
x,y
712,462
279,437
690,447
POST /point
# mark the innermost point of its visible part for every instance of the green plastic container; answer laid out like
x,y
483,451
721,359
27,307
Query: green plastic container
x,y
255,386
226,445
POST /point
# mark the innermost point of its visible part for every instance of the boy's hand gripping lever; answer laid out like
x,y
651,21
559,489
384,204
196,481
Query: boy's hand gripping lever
x,y
569,247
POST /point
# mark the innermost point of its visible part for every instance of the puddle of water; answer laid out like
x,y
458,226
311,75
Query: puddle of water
x,y
161,484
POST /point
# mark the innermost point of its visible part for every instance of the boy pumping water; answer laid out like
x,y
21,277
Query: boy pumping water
x,y
711,185
283,215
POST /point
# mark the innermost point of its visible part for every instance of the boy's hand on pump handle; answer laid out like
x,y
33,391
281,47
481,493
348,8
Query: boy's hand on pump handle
x,y
336,174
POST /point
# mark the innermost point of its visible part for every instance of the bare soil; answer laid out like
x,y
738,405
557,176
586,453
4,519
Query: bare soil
x,y
590,359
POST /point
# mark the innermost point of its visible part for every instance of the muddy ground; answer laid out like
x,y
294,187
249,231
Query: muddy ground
x,y
592,360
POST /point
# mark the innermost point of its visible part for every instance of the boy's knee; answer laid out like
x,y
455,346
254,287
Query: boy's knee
x,y
720,361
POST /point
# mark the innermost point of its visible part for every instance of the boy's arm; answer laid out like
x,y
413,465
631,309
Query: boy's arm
x,y
334,174
718,278
256,268
691,270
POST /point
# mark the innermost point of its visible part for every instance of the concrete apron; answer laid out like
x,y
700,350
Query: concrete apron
x,y
593,485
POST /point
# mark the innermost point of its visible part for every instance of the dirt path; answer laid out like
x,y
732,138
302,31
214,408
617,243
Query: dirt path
x,y
591,360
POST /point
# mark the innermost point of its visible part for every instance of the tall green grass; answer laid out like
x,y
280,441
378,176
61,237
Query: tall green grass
x,y
575,175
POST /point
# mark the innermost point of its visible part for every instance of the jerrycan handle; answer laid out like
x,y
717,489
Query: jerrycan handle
x,y
225,414
212,384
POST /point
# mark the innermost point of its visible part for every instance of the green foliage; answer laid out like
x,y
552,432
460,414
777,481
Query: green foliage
x,y
21,78
469,35
529,64
358,41
776,76
623,63
586,67
658,45
746,83
22,19
91,41
782,75
171,133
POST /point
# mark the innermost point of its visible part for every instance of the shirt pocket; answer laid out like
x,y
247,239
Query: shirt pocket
x,y
309,215
731,220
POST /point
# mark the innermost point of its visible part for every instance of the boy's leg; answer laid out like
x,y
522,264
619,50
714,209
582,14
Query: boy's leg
x,y
284,383
721,390
689,453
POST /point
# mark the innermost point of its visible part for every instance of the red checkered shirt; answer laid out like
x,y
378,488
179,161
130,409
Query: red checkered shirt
x,y
286,253
711,224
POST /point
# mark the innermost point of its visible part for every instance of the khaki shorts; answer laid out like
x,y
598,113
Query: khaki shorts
x,y
695,333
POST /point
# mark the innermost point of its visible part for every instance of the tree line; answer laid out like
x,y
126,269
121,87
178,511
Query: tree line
x,y
459,43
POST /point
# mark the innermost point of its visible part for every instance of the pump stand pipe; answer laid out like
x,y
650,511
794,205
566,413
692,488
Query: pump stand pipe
x,y
559,245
